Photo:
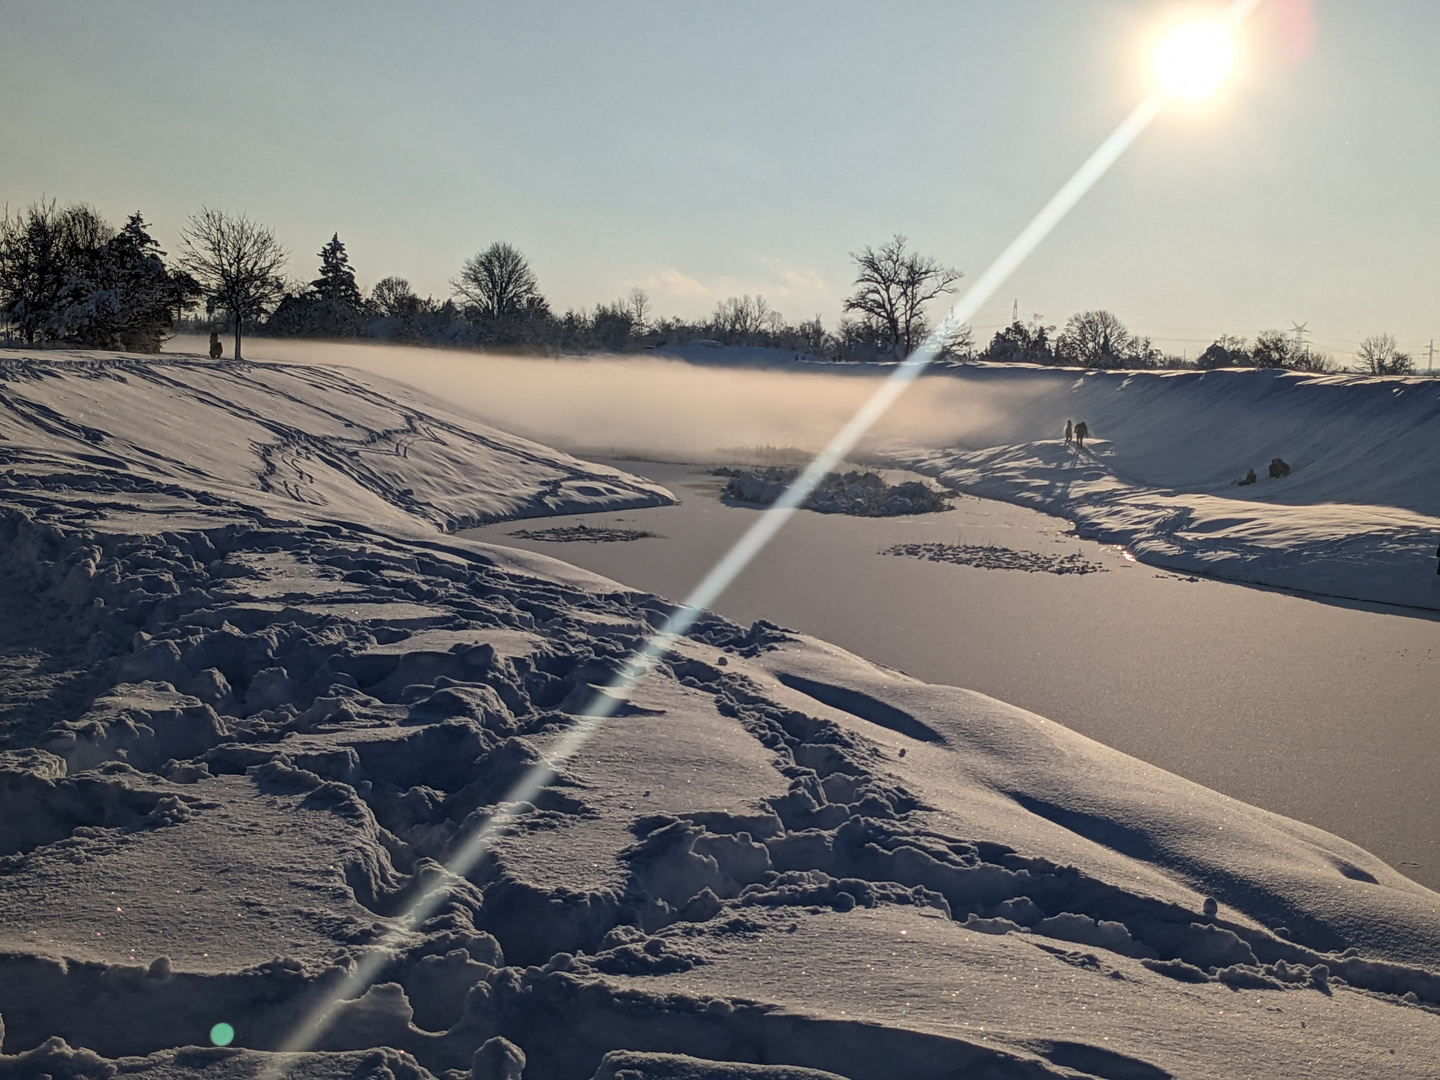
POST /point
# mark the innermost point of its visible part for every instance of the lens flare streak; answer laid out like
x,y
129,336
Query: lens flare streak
x,y
606,701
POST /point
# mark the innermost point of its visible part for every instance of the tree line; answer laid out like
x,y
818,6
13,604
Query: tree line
x,y
68,276
1098,339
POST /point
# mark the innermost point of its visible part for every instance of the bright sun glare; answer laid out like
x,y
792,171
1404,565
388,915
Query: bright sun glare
x,y
1193,59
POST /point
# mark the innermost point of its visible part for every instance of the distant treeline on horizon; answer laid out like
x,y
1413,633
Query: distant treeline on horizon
x,y
68,276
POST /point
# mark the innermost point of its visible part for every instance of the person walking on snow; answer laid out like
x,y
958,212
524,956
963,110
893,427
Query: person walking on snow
x,y
1069,432
215,348
1081,430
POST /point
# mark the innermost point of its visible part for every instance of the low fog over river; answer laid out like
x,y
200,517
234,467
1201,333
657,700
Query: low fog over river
x,y
1319,711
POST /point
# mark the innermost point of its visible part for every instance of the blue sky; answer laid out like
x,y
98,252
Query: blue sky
x,y
707,149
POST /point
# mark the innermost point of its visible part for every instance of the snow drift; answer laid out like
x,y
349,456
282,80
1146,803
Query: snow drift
x,y
1357,517
306,442
235,743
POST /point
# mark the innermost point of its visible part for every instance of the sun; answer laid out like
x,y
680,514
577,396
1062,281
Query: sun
x,y
1192,60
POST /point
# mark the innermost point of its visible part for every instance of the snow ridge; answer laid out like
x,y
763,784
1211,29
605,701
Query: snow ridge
x,y
312,443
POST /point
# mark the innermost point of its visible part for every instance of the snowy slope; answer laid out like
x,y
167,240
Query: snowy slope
x,y
307,443
233,746
1358,516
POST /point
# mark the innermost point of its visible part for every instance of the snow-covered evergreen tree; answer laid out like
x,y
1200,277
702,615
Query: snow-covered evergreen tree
x,y
125,297
1021,343
46,254
337,279
68,276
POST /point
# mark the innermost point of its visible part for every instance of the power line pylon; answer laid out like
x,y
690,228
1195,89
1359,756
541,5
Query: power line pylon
x,y
1300,330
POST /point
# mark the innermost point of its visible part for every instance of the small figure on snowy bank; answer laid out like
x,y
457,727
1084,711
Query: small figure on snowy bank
x,y
1069,432
1080,432
215,347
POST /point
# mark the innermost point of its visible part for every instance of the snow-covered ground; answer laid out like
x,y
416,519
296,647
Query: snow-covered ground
x,y
1358,516
306,442
244,718
1188,673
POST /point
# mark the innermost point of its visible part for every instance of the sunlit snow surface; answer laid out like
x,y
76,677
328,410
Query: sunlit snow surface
x,y
1358,516
251,695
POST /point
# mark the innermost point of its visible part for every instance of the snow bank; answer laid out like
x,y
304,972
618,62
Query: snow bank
x,y
233,747
305,443
1358,516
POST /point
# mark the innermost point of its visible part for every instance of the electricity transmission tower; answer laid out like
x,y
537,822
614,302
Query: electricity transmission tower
x,y
1300,330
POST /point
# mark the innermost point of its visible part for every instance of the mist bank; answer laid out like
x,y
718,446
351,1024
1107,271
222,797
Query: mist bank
x,y
1355,439
657,406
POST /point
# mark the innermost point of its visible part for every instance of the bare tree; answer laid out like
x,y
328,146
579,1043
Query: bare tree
x,y
892,289
1379,355
237,263
1098,339
394,297
639,304
745,320
499,284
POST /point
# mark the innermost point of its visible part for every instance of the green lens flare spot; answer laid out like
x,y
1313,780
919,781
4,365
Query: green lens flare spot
x,y
222,1034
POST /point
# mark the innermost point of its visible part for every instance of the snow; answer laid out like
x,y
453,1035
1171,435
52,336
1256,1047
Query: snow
x,y
1188,673
245,713
1358,517
306,442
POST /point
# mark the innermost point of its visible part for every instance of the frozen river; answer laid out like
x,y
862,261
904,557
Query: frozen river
x,y
1322,712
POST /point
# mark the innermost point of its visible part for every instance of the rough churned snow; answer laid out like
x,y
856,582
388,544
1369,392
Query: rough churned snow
x,y
248,703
